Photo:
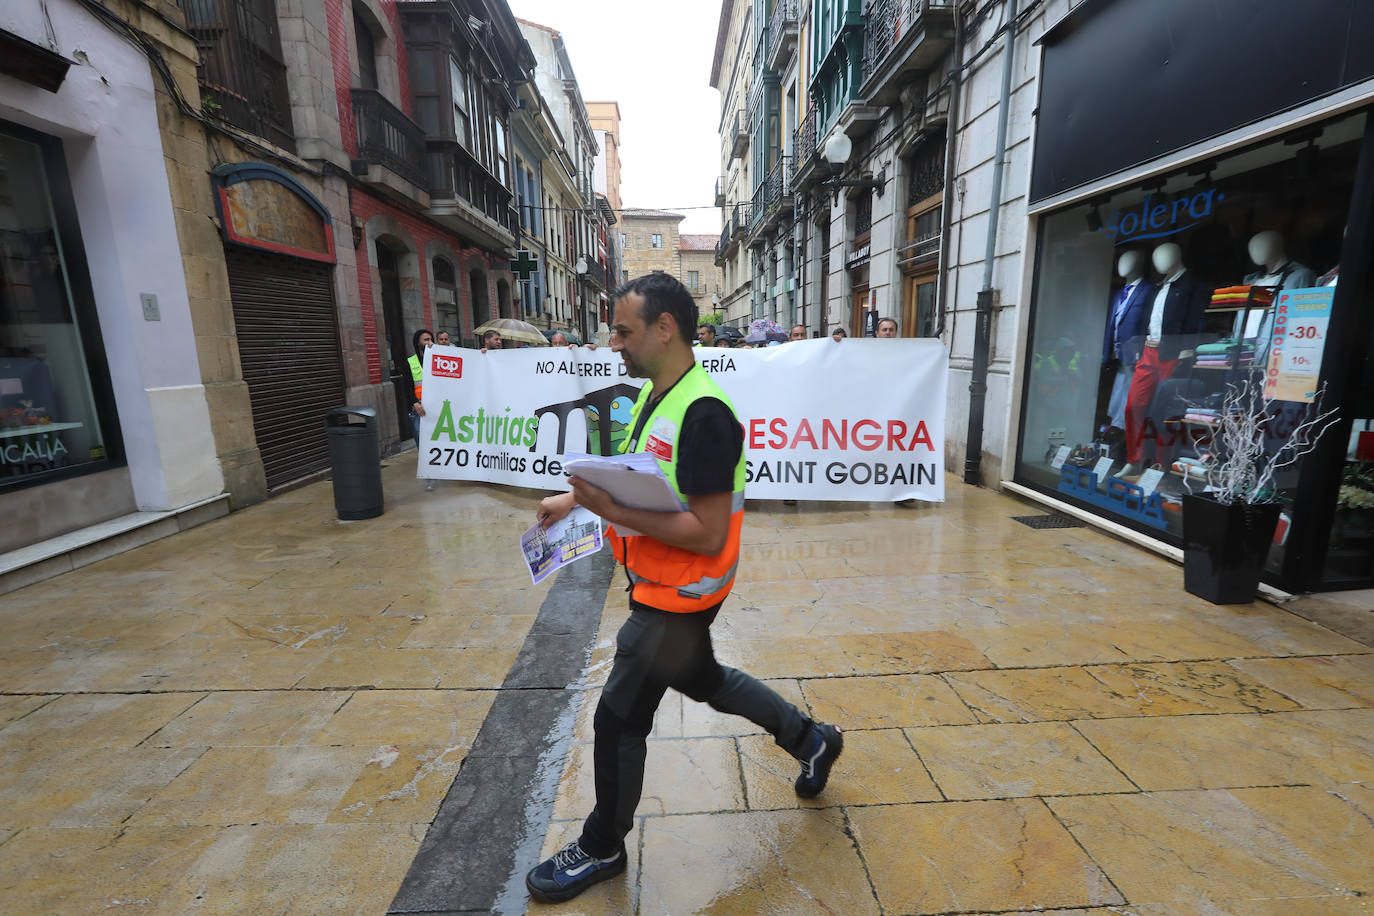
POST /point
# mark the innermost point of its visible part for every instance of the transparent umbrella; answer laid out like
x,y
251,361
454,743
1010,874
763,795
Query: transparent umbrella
x,y
513,329
762,330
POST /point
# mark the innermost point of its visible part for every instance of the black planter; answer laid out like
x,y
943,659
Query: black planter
x,y
1224,547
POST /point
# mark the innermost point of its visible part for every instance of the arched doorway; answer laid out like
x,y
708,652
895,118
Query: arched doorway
x,y
397,346
503,302
481,298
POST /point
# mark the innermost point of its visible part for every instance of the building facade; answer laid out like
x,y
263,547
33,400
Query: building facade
x,y
605,121
698,271
574,220
949,171
334,177
117,391
650,241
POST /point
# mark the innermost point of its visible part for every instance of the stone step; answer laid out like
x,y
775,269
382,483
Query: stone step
x,y
91,544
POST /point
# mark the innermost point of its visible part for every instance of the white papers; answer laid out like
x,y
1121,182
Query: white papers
x,y
574,536
1060,457
634,481
1103,469
1150,480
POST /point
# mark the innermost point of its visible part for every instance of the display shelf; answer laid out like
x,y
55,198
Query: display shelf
x,y
1226,368
38,428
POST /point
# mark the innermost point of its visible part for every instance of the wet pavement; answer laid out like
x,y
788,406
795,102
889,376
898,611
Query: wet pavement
x,y
278,712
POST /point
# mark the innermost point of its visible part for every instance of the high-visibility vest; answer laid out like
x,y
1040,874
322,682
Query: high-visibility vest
x,y
417,374
662,576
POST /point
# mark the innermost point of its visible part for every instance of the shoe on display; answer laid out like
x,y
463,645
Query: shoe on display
x,y
1131,471
570,872
819,753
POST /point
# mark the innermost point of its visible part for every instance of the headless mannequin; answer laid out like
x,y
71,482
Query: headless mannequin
x,y
1125,327
1267,251
1153,368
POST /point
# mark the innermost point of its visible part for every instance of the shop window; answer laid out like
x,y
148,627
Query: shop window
x,y
242,72
1154,298
54,391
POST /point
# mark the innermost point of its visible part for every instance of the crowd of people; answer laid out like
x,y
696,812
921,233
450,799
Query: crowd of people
x,y
708,335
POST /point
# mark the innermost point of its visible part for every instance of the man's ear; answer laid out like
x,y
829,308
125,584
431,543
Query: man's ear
x,y
667,326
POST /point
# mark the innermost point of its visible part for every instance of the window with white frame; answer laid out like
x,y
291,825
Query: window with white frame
x,y
656,240
461,119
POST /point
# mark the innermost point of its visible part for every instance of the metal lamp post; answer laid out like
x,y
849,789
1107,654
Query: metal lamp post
x,y
581,268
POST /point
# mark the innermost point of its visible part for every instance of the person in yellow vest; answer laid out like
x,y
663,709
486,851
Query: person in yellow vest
x,y
681,567
422,340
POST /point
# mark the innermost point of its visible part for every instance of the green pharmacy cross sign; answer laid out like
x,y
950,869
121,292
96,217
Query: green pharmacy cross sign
x,y
525,263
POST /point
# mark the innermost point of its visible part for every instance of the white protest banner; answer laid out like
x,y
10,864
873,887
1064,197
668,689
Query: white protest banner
x,y
859,419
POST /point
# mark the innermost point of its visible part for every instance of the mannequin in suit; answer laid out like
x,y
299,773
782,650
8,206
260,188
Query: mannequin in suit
x,y
1125,331
1175,318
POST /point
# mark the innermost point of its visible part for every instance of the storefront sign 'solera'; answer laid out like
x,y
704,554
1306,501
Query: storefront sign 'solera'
x,y
1295,349
858,419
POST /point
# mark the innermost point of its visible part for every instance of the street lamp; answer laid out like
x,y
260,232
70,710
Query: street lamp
x,y
581,268
836,152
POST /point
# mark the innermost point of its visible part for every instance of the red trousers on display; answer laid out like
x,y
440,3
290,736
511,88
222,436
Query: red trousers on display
x,y
1149,372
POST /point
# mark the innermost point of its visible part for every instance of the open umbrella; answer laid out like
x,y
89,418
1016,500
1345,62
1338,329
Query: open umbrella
x,y
513,329
762,330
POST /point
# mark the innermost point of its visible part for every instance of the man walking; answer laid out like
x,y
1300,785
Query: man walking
x,y
681,568
706,335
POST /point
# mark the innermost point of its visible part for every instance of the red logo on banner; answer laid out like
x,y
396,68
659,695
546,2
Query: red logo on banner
x,y
446,366
661,450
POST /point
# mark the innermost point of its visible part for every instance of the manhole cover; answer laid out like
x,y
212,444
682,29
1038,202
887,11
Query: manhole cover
x,y
1047,521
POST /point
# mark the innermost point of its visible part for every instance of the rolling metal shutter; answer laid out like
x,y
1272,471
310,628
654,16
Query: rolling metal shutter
x,y
288,340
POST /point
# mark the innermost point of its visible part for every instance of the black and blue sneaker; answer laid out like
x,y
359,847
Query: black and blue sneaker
x,y
819,752
570,872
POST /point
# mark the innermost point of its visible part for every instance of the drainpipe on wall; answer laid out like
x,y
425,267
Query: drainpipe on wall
x,y
982,329
951,129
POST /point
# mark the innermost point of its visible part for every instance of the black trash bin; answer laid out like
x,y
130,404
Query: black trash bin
x,y
354,456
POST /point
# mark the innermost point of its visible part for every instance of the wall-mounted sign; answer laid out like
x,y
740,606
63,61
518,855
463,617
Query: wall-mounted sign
x,y
262,207
1160,215
524,264
856,257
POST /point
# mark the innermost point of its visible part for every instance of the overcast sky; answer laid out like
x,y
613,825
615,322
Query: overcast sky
x,y
655,60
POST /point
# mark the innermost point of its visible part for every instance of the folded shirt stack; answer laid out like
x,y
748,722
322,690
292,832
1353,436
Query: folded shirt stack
x,y
1226,352
1231,297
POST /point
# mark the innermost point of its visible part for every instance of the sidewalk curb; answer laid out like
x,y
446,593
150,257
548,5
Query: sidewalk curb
x,y
491,824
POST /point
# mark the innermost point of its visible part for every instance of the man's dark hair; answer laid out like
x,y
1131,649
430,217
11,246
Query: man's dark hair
x,y
663,293
488,335
415,341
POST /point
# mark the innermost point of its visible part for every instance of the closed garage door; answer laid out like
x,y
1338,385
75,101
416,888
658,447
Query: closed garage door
x,y
289,350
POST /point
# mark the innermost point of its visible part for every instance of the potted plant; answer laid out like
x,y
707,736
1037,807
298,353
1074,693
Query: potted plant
x,y
1229,525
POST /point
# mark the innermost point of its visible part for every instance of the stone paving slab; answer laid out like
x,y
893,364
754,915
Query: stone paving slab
x,y
281,712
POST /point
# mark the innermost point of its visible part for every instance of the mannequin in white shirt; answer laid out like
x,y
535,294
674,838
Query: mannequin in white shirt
x,y
1268,252
1174,318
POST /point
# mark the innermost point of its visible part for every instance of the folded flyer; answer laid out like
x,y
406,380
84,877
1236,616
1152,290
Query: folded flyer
x,y
546,550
